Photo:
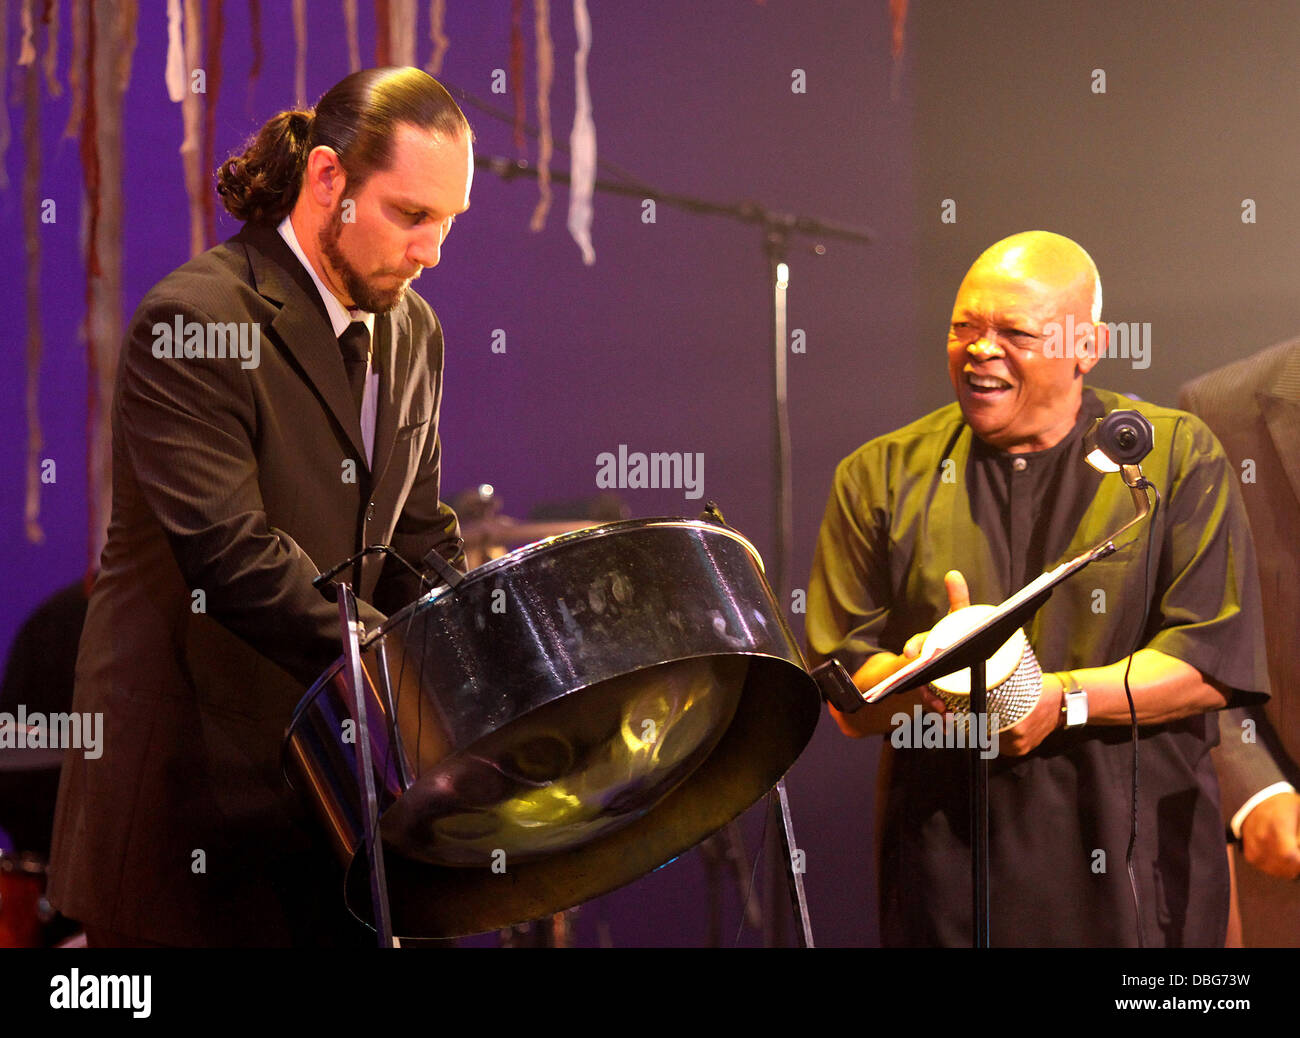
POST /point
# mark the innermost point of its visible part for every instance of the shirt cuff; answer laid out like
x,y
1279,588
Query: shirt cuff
x,y
1255,801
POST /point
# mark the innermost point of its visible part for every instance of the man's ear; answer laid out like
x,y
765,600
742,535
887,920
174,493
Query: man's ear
x,y
324,175
1093,348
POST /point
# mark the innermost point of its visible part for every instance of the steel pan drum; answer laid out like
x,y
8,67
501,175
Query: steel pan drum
x,y
574,715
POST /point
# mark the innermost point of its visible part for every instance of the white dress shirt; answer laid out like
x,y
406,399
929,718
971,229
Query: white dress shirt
x,y
340,317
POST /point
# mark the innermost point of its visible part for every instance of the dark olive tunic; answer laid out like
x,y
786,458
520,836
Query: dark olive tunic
x,y
906,508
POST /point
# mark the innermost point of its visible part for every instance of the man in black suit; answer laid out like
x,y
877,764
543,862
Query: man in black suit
x,y
1253,406
258,439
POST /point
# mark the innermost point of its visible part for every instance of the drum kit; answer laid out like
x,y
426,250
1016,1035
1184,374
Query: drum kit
x,y
26,918
553,725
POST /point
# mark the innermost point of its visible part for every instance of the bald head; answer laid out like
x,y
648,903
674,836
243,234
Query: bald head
x,y
1018,380
1056,263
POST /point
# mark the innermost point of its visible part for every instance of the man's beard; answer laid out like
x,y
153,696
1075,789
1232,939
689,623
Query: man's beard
x,y
364,295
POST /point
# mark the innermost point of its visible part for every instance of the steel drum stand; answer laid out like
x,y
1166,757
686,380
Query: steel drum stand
x,y
726,846
793,872
349,625
468,906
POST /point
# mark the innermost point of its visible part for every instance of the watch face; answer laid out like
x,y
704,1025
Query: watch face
x,y
1076,708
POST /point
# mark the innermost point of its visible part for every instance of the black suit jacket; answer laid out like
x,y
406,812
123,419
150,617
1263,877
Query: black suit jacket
x,y
233,487
1253,406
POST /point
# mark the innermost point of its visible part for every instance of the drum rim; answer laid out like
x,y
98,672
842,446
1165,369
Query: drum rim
x,y
327,676
587,533
27,862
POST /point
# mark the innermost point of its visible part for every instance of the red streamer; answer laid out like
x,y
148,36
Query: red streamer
x,y
213,31
255,43
32,255
90,174
382,29
517,74
898,16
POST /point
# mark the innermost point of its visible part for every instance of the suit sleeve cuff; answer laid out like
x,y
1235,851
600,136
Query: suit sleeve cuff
x,y
1255,801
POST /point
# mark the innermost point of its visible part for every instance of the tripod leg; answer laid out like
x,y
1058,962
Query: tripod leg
x,y
365,774
794,868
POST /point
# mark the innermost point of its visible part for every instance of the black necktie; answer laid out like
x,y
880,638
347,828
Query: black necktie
x,y
355,346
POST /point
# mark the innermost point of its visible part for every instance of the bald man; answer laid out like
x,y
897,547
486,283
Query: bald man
x,y
972,502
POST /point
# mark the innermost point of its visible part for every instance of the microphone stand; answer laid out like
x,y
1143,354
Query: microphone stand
x,y
351,632
778,228
971,651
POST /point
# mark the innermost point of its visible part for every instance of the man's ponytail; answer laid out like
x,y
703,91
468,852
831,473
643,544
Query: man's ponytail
x,y
261,184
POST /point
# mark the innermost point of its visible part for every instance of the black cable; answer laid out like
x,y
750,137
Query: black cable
x,y
631,179
758,856
1132,709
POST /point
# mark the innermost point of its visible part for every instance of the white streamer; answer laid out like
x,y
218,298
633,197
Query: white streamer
x,y
175,72
582,141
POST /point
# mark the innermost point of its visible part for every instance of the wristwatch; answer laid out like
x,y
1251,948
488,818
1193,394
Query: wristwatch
x,y
1074,701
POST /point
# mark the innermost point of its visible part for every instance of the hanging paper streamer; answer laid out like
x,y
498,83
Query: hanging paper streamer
x,y
174,74
122,26
438,37
110,37
382,33
96,414
350,27
517,75
76,81
4,79
255,44
214,31
192,121
401,28
300,52
32,256
898,16
27,50
582,141
50,16
545,146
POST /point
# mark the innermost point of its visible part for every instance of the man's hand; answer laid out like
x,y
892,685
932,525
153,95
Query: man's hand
x,y
958,598
1033,729
1043,719
873,720
1270,836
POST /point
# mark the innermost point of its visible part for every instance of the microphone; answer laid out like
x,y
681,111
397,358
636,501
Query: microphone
x,y
450,575
1118,439
329,589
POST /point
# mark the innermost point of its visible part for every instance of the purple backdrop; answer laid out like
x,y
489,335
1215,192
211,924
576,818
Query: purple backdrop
x,y
661,345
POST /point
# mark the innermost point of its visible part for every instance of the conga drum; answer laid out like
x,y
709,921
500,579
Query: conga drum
x,y
25,914
570,717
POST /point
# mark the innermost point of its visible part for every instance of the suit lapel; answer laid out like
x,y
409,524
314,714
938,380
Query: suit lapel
x,y
1280,404
302,325
393,346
